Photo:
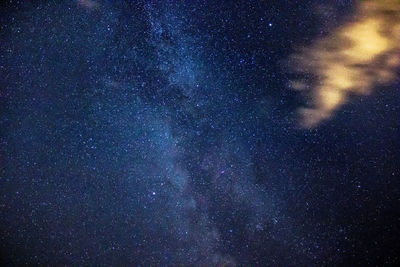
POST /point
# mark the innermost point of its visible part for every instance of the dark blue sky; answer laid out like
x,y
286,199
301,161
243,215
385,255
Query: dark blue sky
x,y
166,133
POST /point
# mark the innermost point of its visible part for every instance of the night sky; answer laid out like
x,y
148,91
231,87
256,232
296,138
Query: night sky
x,y
181,133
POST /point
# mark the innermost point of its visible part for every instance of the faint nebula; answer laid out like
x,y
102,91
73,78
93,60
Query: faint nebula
x,y
88,4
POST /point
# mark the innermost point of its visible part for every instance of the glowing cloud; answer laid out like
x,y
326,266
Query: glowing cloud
x,y
353,59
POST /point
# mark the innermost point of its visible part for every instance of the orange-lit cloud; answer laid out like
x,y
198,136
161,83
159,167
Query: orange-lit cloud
x,y
353,59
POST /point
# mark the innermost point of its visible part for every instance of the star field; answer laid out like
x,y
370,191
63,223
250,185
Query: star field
x,y
167,133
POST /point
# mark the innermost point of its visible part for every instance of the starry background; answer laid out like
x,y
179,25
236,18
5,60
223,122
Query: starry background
x,y
164,133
